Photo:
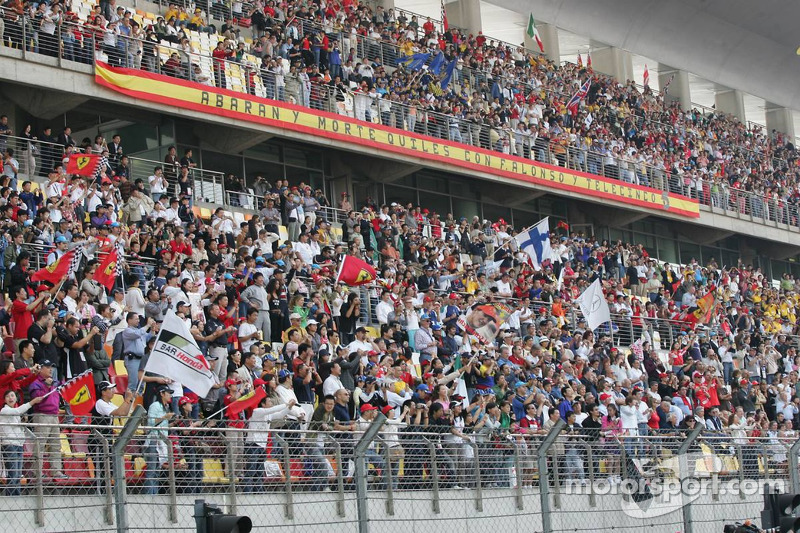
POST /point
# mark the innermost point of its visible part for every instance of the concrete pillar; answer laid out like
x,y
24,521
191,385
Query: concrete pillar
x,y
465,14
678,88
612,61
729,101
549,35
780,119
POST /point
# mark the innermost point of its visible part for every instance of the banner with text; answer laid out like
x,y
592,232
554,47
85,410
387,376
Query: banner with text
x,y
190,95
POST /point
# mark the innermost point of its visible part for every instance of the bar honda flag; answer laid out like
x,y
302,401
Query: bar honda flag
x,y
56,270
535,241
248,401
83,164
176,355
79,393
354,271
533,33
108,270
445,24
594,306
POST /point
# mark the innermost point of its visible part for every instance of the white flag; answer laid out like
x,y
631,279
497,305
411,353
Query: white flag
x,y
177,356
492,268
535,241
594,306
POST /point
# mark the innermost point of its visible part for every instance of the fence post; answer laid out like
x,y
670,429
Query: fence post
x,y
37,462
683,466
434,476
478,486
118,451
518,470
109,510
387,473
231,460
173,497
359,456
339,475
544,485
289,507
795,476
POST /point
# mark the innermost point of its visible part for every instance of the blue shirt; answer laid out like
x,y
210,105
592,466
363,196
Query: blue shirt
x,y
135,340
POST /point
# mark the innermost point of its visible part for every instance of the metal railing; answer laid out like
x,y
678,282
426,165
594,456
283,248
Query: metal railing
x,y
540,471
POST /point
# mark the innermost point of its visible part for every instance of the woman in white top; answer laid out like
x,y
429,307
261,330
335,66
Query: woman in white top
x,y
12,438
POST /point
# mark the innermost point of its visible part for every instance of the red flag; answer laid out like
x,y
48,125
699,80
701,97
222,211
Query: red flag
x,y
646,76
445,25
354,272
79,393
588,61
580,61
705,308
83,164
55,271
563,225
106,272
248,401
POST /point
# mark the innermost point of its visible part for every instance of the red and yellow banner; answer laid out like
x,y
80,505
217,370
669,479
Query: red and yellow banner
x,y
189,95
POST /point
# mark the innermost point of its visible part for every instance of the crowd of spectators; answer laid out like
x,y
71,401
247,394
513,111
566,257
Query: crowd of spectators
x,y
502,97
267,311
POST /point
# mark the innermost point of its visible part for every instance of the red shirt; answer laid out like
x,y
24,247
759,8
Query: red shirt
x,y
23,319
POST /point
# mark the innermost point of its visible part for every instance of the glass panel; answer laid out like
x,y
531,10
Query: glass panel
x,y
184,131
298,176
437,203
779,268
688,251
302,157
524,219
668,250
709,252
269,171
431,182
219,162
466,188
496,212
268,151
466,208
136,137
401,195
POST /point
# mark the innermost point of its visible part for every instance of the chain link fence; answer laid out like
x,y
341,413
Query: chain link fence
x,y
100,478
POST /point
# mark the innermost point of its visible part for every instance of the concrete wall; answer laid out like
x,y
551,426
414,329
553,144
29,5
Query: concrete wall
x,y
413,513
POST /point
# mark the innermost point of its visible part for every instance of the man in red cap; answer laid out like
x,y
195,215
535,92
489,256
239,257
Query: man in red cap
x,y
368,414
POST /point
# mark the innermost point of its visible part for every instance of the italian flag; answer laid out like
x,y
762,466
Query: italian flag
x,y
533,33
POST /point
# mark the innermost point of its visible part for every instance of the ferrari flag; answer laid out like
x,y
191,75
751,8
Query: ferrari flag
x,y
79,393
83,164
355,272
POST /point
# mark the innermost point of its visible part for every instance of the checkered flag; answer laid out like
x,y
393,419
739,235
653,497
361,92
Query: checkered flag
x,y
120,257
75,262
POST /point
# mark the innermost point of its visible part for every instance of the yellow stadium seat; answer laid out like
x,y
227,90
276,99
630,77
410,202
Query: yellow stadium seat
x,y
65,448
119,368
213,472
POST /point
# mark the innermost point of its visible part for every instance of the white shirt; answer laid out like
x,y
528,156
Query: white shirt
x,y
306,253
357,345
331,385
259,425
382,311
157,184
105,408
244,330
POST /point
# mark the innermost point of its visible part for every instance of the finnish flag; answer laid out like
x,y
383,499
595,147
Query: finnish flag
x,y
535,241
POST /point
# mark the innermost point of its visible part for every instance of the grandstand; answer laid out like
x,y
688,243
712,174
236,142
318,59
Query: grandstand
x,y
246,152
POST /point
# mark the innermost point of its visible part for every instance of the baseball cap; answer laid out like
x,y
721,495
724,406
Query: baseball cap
x,y
184,400
164,388
386,409
105,385
519,384
228,276
283,374
231,383
295,316
368,407
47,362
423,388
60,239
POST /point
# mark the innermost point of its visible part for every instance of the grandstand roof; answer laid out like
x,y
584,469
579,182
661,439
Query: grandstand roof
x,y
736,43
